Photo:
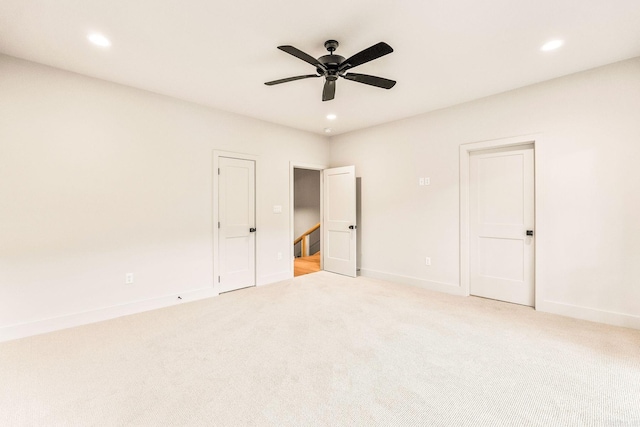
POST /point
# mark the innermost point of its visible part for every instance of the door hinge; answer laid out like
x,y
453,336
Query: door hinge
x,y
218,224
218,171
218,279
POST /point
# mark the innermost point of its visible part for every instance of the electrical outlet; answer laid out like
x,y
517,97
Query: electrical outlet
x,y
427,261
128,278
279,256
421,181
427,181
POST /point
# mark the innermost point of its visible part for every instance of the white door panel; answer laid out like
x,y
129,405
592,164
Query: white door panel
x,y
501,211
236,214
339,252
501,258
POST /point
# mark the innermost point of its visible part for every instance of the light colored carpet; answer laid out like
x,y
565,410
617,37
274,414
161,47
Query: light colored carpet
x,y
322,349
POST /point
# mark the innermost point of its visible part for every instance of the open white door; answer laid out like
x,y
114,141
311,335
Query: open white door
x,y
339,227
236,226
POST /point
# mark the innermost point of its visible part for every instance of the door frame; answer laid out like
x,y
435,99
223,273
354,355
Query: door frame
x,y
308,166
215,207
465,152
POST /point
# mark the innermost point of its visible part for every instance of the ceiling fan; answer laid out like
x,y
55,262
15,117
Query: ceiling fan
x,y
333,66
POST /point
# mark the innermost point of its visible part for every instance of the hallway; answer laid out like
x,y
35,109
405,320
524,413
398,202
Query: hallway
x,y
306,265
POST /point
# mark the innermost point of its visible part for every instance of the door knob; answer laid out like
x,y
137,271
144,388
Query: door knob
x,y
252,230
529,232
353,227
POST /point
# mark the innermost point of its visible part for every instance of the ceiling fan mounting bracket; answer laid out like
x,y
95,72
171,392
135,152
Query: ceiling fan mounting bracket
x,y
331,45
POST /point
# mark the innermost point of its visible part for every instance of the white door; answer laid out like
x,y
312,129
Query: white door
x,y
236,215
339,226
501,212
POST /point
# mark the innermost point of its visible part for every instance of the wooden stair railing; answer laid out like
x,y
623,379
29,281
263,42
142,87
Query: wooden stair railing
x,y
304,240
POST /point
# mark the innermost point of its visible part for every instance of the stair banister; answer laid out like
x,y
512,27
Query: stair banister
x,y
304,239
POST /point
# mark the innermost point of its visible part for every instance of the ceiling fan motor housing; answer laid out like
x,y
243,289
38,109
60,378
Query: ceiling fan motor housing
x,y
331,62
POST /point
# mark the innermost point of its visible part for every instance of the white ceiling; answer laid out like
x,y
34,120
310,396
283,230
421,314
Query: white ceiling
x,y
219,53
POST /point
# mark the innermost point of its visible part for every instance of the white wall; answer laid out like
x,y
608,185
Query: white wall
x,y
99,179
587,189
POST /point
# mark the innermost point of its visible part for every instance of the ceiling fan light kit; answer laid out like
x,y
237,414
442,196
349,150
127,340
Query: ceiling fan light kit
x,y
333,66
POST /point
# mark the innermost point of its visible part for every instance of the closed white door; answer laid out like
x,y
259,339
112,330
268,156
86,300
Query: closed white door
x,y
236,215
339,226
501,212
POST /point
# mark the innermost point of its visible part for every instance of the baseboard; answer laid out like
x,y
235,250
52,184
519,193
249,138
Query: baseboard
x,y
273,278
42,326
447,288
591,314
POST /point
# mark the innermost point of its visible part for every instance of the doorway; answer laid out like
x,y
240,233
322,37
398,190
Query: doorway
x,y
337,224
306,221
497,221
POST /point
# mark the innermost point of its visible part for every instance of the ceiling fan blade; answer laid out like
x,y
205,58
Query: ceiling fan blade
x,y
369,54
290,79
301,55
329,91
370,80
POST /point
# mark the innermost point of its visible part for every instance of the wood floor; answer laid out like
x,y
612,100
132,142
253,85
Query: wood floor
x,y
306,265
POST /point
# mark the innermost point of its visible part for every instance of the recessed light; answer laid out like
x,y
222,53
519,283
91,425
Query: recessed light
x,y
327,130
552,45
331,116
99,40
